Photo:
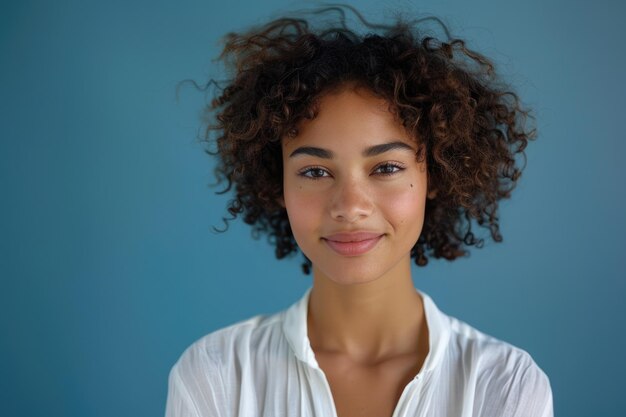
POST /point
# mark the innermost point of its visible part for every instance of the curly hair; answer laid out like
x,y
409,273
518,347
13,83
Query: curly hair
x,y
447,97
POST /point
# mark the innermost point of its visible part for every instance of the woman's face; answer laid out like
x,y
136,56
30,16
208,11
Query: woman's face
x,y
353,189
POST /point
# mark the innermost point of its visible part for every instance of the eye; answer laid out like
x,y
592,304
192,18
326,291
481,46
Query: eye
x,y
388,168
313,173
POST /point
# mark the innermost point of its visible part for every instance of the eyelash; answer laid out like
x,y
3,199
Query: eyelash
x,y
303,173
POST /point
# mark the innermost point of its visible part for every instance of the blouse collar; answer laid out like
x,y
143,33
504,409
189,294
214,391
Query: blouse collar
x,y
295,330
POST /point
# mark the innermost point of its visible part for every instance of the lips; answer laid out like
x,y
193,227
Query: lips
x,y
352,244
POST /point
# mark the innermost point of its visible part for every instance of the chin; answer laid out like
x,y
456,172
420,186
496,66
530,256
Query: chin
x,y
348,274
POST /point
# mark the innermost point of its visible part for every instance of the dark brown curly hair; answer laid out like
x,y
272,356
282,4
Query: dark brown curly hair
x,y
447,96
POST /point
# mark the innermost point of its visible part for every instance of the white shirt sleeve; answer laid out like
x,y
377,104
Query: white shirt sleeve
x,y
535,398
191,391
179,402
526,393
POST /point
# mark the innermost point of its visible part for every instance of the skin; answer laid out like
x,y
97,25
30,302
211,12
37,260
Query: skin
x,y
366,322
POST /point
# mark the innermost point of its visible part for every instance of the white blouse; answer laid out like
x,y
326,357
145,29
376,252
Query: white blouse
x,y
265,367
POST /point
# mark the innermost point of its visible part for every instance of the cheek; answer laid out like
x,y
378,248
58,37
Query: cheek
x,y
404,206
302,209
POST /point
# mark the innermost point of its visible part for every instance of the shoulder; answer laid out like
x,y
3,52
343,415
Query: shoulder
x,y
506,380
218,349
202,379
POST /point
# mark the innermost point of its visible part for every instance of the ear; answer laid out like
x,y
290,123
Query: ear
x,y
281,201
431,194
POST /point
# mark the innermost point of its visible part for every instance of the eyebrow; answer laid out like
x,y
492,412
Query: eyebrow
x,y
369,152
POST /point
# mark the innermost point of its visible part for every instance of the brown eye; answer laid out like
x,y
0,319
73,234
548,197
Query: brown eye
x,y
313,173
388,169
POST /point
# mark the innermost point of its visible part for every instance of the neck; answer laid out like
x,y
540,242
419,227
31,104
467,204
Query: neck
x,y
368,322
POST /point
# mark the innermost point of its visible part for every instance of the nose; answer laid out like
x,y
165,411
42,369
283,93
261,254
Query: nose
x,y
350,201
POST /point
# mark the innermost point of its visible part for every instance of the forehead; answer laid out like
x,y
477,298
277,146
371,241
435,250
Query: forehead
x,y
351,116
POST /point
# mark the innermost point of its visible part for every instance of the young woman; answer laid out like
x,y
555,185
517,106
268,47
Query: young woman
x,y
364,153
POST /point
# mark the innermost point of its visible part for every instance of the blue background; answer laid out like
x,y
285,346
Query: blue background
x,y
108,266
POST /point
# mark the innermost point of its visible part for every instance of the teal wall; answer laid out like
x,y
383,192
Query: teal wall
x,y
108,267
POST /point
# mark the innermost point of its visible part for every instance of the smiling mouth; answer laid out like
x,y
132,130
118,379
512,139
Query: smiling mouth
x,y
354,248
